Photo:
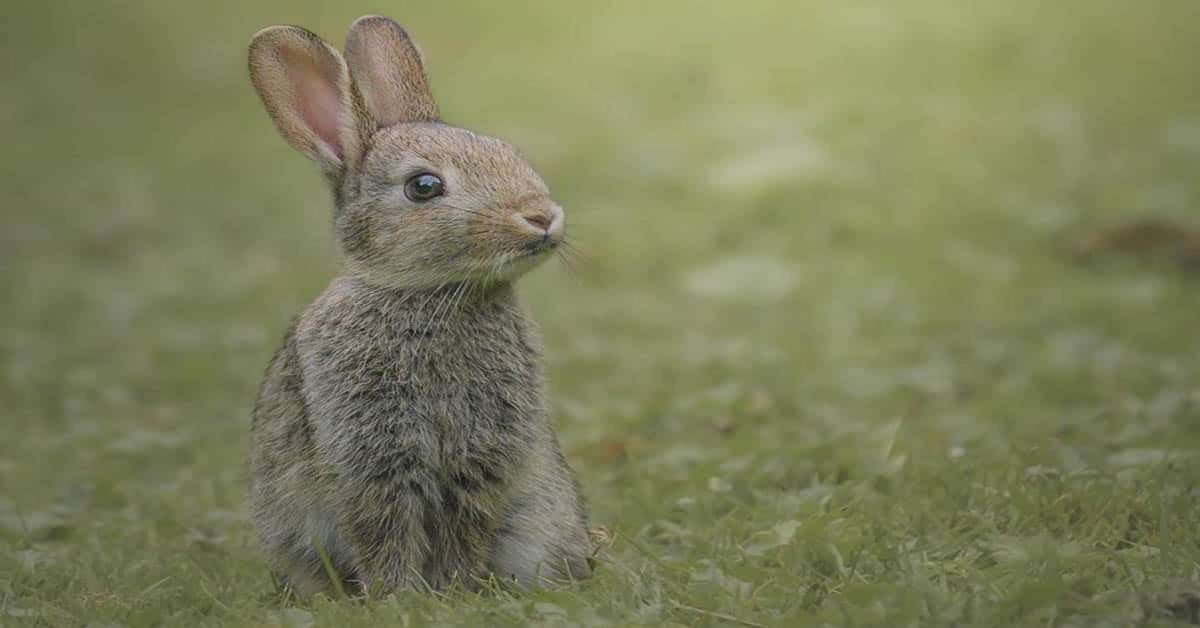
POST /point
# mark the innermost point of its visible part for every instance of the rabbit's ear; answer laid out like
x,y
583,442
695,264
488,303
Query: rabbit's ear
x,y
387,71
305,86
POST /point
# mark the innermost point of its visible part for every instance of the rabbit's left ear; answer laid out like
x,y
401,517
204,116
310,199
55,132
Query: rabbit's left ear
x,y
387,71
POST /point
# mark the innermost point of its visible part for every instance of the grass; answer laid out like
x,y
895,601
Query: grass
x,y
823,362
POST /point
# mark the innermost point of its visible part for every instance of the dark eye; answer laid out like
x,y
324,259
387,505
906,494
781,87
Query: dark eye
x,y
423,187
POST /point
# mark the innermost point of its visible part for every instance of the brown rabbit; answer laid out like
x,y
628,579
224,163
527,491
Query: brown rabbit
x,y
401,432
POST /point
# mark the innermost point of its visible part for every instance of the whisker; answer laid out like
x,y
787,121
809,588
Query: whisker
x,y
490,217
569,249
572,272
464,287
423,341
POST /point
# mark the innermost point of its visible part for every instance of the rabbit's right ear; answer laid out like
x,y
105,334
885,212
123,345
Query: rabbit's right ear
x,y
388,72
305,86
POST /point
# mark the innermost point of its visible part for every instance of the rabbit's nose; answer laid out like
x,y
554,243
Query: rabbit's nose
x,y
539,221
543,220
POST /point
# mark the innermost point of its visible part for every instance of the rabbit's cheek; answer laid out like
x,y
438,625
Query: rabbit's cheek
x,y
355,234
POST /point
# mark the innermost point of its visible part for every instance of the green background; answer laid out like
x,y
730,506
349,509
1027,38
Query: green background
x,y
821,359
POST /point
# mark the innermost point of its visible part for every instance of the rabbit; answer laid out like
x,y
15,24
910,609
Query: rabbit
x,y
400,437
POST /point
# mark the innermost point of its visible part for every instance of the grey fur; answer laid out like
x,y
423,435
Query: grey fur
x,y
400,431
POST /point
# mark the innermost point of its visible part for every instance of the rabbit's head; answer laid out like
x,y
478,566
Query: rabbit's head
x,y
419,203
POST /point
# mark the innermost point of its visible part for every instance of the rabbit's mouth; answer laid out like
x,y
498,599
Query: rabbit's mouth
x,y
537,247
528,256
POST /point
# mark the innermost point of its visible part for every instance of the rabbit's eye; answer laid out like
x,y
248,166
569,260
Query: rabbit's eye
x,y
424,187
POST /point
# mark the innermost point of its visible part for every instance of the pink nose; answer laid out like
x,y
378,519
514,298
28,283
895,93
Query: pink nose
x,y
539,221
542,221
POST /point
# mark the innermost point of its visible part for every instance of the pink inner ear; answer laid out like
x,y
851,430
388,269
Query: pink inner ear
x,y
317,99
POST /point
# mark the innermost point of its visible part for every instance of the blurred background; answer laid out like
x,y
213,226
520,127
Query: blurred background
x,y
957,233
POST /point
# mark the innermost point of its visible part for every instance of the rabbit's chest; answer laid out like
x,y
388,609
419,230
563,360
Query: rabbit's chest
x,y
472,402
469,417
461,401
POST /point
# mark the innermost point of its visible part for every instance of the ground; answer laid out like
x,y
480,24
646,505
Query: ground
x,y
825,357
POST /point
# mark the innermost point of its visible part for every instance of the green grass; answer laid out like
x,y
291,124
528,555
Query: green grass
x,y
822,362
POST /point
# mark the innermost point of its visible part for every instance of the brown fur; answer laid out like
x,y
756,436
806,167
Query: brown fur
x,y
401,430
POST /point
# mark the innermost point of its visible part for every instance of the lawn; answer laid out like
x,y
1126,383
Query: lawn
x,y
824,358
